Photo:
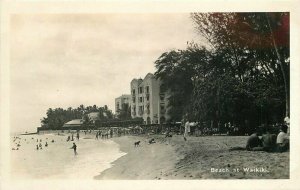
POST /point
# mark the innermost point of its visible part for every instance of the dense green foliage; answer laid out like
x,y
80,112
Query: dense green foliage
x,y
125,112
242,77
57,117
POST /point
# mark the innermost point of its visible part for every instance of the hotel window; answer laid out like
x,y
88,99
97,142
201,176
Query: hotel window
x,y
162,97
148,97
141,99
133,92
140,90
147,89
141,110
162,110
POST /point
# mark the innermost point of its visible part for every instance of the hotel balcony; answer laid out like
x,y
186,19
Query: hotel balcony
x,y
141,112
162,97
148,111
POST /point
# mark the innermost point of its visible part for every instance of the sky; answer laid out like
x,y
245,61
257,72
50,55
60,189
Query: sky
x,y
64,60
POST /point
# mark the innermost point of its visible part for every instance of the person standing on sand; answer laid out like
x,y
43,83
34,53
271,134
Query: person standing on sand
x,y
287,123
111,133
75,148
187,129
77,136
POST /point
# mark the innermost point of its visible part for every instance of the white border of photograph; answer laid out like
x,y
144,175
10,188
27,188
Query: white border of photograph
x,y
134,6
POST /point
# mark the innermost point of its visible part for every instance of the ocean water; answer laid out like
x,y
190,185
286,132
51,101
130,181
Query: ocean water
x,y
57,161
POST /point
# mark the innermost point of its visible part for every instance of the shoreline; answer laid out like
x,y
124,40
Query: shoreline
x,y
140,162
206,157
57,159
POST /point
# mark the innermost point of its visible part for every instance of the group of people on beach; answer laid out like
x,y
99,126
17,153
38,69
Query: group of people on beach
x,y
71,138
104,134
269,142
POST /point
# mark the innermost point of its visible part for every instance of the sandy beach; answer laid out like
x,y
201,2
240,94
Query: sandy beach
x,y
206,157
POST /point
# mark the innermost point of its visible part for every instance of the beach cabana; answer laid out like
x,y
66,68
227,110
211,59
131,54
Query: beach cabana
x,y
73,124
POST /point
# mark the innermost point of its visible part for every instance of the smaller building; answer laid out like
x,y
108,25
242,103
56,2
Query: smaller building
x,y
75,123
120,102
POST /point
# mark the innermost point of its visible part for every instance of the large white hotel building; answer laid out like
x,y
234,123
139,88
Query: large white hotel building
x,y
147,101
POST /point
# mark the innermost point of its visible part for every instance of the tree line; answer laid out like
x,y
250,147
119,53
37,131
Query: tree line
x,y
56,118
241,76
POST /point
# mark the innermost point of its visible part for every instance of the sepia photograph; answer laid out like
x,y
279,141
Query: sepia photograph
x,y
127,96
163,96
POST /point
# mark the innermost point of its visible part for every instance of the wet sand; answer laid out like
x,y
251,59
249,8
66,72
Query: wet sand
x,y
194,159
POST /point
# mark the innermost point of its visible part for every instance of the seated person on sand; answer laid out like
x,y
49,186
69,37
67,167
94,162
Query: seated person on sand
x,y
168,134
282,140
268,141
253,142
151,141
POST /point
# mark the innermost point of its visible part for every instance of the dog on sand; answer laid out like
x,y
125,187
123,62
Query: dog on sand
x,y
137,143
